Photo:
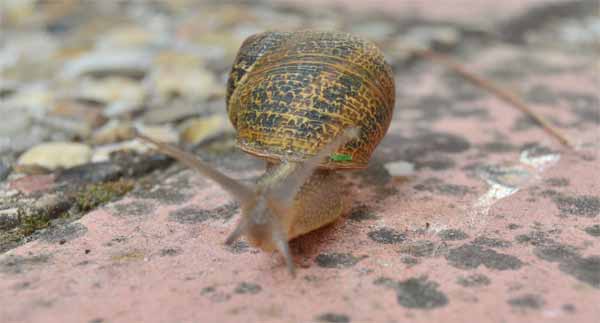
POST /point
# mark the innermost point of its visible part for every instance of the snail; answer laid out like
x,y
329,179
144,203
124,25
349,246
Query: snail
x,y
311,104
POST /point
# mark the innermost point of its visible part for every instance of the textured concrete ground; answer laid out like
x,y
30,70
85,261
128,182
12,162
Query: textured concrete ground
x,y
468,212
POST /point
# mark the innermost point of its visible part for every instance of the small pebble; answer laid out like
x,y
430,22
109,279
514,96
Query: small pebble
x,y
161,133
198,130
128,63
400,168
53,155
103,153
91,115
190,83
423,37
111,90
113,131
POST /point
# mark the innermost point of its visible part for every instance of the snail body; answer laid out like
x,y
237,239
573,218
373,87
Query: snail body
x,y
311,104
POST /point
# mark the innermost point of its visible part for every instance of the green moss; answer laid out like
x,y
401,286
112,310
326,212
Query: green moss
x,y
90,197
34,222
10,239
28,224
97,194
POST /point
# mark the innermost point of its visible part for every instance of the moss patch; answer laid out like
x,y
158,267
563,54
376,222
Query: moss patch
x,y
9,240
33,222
94,195
89,197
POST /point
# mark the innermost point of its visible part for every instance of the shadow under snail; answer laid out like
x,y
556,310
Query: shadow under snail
x,y
311,103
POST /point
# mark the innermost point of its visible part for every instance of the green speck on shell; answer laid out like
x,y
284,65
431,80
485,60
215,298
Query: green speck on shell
x,y
341,157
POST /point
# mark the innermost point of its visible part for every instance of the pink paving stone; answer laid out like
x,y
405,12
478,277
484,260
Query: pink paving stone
x,y
139,261
145,267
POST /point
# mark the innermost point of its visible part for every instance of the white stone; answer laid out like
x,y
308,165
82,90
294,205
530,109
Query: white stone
x,y
53,155
400,168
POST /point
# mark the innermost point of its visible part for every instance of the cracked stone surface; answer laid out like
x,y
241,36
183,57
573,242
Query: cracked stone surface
x,y
488,219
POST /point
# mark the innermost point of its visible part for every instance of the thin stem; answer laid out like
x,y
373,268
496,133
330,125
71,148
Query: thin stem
x,y
501,93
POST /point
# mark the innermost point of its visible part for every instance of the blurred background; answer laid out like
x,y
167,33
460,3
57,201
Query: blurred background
x,y
83,71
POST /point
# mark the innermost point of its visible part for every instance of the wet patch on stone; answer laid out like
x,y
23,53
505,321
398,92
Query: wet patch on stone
x,y
424,248
476,113
410,261
557,181
165,194
238,247
171,251
194,214
432,107
593,230
337,260
527,301
419,293
247,288
581,205
116,240
569,308
12,264
469,256
556,252
542,94
84,263
22,285
497,147
435,107
534,238
361,213
333,318
474,280
584,106
189,215
513,226
452,235
225,212
90,173
417,148
133,208
523,123
63,233
434,162
228,157
442,142
378,176
437,186
387,236
215,295
586,269
483,241
520,67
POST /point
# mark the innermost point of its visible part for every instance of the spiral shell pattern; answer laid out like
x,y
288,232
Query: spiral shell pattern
x,y
289,93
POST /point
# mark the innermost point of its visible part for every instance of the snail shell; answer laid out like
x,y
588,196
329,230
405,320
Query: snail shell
x,y
290,92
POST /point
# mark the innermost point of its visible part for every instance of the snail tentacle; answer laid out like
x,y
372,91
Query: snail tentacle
x,y
238,190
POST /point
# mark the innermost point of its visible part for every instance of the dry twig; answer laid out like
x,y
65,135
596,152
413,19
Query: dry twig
x,y
501,93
